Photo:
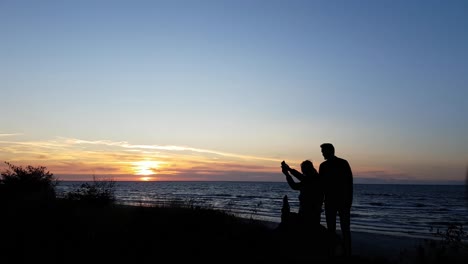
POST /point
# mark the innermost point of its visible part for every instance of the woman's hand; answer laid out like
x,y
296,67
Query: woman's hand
x,y
285,167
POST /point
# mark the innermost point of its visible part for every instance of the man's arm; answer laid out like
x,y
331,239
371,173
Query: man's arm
x,y
321,170
321,173
349,183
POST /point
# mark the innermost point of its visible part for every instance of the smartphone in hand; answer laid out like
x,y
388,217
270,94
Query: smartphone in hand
x,y
284,165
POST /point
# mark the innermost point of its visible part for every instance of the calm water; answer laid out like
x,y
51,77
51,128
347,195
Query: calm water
x,y
409,210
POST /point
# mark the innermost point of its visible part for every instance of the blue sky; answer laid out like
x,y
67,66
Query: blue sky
x,y
385,81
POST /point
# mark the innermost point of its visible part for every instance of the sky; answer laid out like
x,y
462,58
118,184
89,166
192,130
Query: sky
x,y
226,90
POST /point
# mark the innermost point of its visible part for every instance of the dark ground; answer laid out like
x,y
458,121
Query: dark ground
x,y
77,233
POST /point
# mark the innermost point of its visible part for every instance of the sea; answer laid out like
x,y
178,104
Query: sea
x,y
401,210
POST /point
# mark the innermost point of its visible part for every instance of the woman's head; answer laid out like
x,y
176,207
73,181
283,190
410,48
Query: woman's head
x,y
307,167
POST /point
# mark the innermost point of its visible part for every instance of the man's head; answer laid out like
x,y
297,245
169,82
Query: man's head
x,y
307,167
328,151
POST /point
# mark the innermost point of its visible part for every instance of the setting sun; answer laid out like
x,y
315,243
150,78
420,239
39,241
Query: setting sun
x,y
146,178
145,167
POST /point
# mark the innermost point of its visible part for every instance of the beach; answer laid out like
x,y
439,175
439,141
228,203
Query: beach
x,y
383,246
378,247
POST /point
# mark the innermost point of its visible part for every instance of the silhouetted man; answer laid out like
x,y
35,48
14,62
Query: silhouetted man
x,y
338,186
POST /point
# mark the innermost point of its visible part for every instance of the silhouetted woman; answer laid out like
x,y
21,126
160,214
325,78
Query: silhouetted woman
x,y
310,191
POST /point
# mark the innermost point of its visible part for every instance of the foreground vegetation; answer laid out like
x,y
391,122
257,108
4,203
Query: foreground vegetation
x,y
87,226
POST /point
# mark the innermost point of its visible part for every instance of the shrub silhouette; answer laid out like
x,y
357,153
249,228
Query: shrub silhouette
x,y
96,193
27,186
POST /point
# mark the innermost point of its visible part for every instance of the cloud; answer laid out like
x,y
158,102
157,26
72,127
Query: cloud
x,y
125,144
76,156
10,135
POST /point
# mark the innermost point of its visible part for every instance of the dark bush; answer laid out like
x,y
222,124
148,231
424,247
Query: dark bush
x,y
27,186
99,192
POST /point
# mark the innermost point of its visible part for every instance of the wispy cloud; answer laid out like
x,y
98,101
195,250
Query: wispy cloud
x,y
76,156
10,134
125,144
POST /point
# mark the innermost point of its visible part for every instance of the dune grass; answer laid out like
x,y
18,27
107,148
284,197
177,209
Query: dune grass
x,y
77,233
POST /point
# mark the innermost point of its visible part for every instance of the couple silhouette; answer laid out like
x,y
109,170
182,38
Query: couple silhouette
x,y
332,186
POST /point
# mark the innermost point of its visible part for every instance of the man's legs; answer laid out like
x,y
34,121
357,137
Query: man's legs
x,y
345,225
330,215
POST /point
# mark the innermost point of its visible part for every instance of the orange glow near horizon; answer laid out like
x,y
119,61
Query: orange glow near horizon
x,y
145,167
146,178
75,159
